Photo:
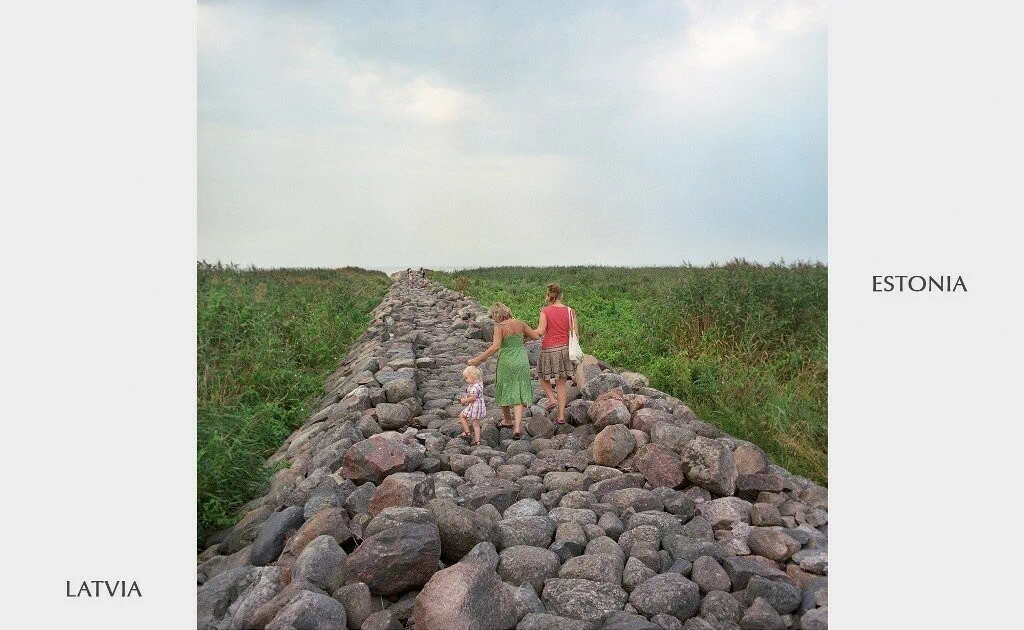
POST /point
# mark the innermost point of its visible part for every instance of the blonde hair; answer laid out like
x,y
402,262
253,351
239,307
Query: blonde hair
x,y
554,292
499,312
472,371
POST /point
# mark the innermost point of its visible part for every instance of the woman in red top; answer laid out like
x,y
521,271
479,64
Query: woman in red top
x,y
556,319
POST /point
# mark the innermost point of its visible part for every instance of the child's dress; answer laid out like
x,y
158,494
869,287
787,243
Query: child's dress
x,y
476,409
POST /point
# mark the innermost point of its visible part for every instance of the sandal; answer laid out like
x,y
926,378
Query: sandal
x,y
562,421
516,435
551,405
465,434
476,442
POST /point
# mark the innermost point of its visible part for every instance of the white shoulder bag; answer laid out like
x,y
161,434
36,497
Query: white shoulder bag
x,y
575,351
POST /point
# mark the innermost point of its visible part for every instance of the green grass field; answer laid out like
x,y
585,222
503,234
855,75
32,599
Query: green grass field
x,y
267,341
744,345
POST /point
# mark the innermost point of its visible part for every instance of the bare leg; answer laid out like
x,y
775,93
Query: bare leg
x,y
562,395
508,417
548,391
465,426
476,430
519,419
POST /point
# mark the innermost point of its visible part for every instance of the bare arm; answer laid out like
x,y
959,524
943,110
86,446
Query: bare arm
x,y
529,332
575,324
542,325
495,345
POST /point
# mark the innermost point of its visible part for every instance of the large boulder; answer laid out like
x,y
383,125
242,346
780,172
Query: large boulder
x,y
582,599
460,529
708,463
321,563
401,490
606,412
465,596
395,560
310,611
373,459
602,383
217,594
521,564
535,531
668,593
269,544
392,416
613,444
660,466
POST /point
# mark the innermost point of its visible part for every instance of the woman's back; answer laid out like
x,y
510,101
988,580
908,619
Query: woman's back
x,y
557,332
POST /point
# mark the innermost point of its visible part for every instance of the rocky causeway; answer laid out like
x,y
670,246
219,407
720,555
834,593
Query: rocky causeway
x,y
634,515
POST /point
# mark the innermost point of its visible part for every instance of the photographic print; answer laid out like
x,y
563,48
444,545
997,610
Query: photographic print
x,y
512,315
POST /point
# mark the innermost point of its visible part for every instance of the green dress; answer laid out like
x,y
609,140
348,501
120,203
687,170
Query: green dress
x,y
512,384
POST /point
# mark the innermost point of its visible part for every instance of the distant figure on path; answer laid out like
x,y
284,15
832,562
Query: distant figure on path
x,y
512,386
556,320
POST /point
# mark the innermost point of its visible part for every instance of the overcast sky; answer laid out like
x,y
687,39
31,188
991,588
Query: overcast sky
x,y
343,133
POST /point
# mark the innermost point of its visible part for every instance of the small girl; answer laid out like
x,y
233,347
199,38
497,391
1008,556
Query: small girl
x,y
474,401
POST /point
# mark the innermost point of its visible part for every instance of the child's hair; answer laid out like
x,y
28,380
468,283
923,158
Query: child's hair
x,y
499,312
472,371
554,292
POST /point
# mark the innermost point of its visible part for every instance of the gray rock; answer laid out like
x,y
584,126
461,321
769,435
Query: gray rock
x,y
613,444
523,564
321,563
816,619
535,531
310,611
772,543
392,416
597,567
611,524
628,620
545,621
459,529
383,620
396,559
466,596
709,464
709,575
783,597
724,513
398,390
761,616
741,569
601,383
483,553
635,573
668,593
358,603
270,542
217,594
394,516
582,599
720,606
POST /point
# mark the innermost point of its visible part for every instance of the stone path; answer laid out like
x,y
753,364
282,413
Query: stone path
x,y
634,515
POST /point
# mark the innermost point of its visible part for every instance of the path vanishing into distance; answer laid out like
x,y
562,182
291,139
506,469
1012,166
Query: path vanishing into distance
x,y
634,515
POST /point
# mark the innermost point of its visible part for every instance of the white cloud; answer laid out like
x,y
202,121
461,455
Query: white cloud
x,y
721,36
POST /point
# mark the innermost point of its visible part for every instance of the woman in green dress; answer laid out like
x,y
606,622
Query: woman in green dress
x,y
512,386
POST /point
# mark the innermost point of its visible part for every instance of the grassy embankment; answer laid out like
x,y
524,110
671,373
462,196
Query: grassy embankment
x,y
744,345
267,340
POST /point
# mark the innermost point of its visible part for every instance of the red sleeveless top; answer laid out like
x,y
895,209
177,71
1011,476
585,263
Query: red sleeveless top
x,y
557,333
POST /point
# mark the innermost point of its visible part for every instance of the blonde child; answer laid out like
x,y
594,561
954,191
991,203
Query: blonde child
x,y
474,401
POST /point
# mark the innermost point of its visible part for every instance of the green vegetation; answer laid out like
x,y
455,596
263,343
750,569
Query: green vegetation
x,y
744,345
267,341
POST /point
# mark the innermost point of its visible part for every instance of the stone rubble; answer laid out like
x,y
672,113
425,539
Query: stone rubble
x,y
634,514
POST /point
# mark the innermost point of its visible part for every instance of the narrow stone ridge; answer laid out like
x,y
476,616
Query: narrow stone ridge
x,y
633,515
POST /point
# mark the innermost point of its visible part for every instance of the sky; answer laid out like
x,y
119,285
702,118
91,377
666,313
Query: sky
x,y
464,135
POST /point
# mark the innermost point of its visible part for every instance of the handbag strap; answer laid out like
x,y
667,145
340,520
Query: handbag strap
x,y
572,320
